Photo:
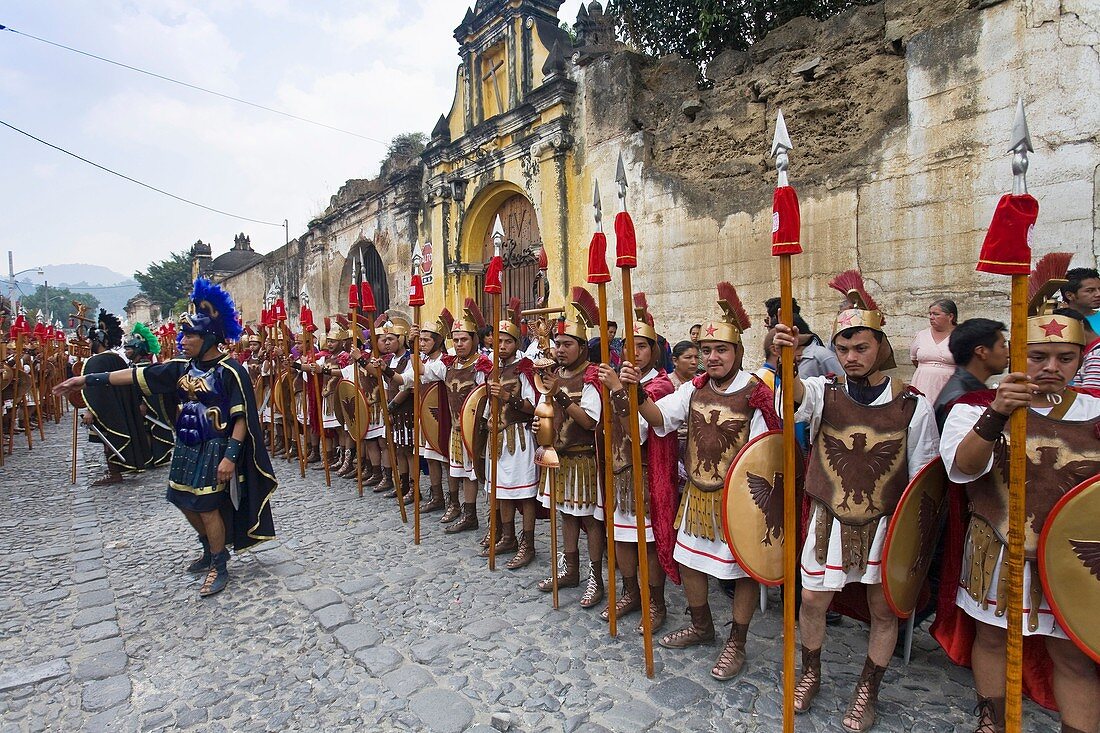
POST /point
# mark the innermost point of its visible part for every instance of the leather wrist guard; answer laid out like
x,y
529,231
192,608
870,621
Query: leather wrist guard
x,y
990,425
102,379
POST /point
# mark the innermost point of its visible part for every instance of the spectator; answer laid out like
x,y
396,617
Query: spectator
x,y
1089,373
980,351
693,333
930,351
1082,293
685,360
817,360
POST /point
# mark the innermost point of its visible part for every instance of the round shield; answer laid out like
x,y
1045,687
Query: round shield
x,y
473,407
752,508
261,388
352,409
433,415
1069,564
76,399
283,393
912,536
6,374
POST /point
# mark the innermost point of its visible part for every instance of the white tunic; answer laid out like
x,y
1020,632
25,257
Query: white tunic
x,y
517,474
626,523
920,445
465,469
374,430
959,423
712,557
593,407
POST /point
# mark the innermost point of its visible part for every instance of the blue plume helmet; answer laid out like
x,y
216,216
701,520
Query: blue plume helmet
x,y
214,312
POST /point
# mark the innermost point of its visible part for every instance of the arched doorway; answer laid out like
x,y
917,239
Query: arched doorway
x,y
522,242
364,263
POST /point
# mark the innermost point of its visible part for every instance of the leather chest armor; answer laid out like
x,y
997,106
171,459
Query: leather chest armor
x,y
1060,455
460,380
512,381
204,405
569,437
718,427
859,464
399,367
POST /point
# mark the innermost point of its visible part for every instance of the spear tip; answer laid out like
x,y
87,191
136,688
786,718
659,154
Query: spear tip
x,y
1021,138
498,228
781,141
596,196
620,172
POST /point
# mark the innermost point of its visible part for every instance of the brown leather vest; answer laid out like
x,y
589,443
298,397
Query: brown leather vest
x,y
460,381
718,427
512,381
859,464
569,437
391,392
1060,455
621,458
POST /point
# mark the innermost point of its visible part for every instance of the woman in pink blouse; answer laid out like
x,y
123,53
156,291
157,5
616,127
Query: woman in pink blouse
x,y
929,350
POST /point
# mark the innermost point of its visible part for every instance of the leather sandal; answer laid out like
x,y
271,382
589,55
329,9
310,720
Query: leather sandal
x,y
732,657
861,709
525,554
700,631
991,715
569,575
809,683
593,590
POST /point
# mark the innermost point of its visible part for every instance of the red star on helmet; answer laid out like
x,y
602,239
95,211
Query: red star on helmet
x,y
636,328
711,330
1054,328
845,318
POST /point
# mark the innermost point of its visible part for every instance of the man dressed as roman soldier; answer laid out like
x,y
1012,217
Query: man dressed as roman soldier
x,y
335,357
465,370
324,371
870,436
374,475
159,411
574,387
432,338
659,466
724,408
393,338
517,475
1063,450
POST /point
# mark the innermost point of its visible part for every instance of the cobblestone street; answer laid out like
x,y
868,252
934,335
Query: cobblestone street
x,y
343,624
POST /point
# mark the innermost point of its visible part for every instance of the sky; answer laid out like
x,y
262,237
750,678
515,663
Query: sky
x,y
375,67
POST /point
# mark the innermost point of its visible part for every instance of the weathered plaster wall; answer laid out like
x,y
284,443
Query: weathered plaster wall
x,y
900,115
904,195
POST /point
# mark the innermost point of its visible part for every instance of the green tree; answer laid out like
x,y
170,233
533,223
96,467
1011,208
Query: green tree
x,y
701,29
168,281
57,300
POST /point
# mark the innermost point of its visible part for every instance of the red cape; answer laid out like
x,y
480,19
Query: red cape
x,y
664,495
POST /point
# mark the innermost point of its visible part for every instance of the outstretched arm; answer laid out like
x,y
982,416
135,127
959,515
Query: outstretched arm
x,y
72,385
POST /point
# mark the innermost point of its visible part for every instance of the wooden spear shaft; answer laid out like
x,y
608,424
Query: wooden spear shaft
x,y
1017,475
636,461
356,335
608,467
390,449
414,469
787,377
322,443
494,435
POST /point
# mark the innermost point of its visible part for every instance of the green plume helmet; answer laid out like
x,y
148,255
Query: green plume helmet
x,y
143,338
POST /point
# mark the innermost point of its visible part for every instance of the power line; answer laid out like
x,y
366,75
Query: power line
x,y
140,183
193,86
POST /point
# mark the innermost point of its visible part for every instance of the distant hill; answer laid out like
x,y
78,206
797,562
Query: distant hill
x,y
112,288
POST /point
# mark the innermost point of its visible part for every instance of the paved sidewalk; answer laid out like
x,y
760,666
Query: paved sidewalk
x,y
344,624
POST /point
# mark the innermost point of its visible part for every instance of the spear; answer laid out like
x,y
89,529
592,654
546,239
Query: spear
x,y
416,300
493,287
626,258
353,315
366,300
599,276
1006,252
322,444
786,223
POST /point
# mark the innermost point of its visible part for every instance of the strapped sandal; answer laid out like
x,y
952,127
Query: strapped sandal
x,y
218,576
991,715
525,554
568,573
700,631
809,683
593,591
861,710
629,602
732,657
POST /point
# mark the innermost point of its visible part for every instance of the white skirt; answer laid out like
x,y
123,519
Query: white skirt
x,y
626,524
831,575
571,489
1048,624
517,474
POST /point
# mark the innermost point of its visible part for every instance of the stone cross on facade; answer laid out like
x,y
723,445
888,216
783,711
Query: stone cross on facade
x,y
492,74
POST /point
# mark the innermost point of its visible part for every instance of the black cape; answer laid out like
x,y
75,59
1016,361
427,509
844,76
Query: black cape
x,y
116,413
252,522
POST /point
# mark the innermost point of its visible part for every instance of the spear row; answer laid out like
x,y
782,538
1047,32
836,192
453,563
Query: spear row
x,y
626,258
357,336
599,276
786,225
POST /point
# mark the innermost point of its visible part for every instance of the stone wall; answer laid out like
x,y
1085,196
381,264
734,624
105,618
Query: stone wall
x,y
900,135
